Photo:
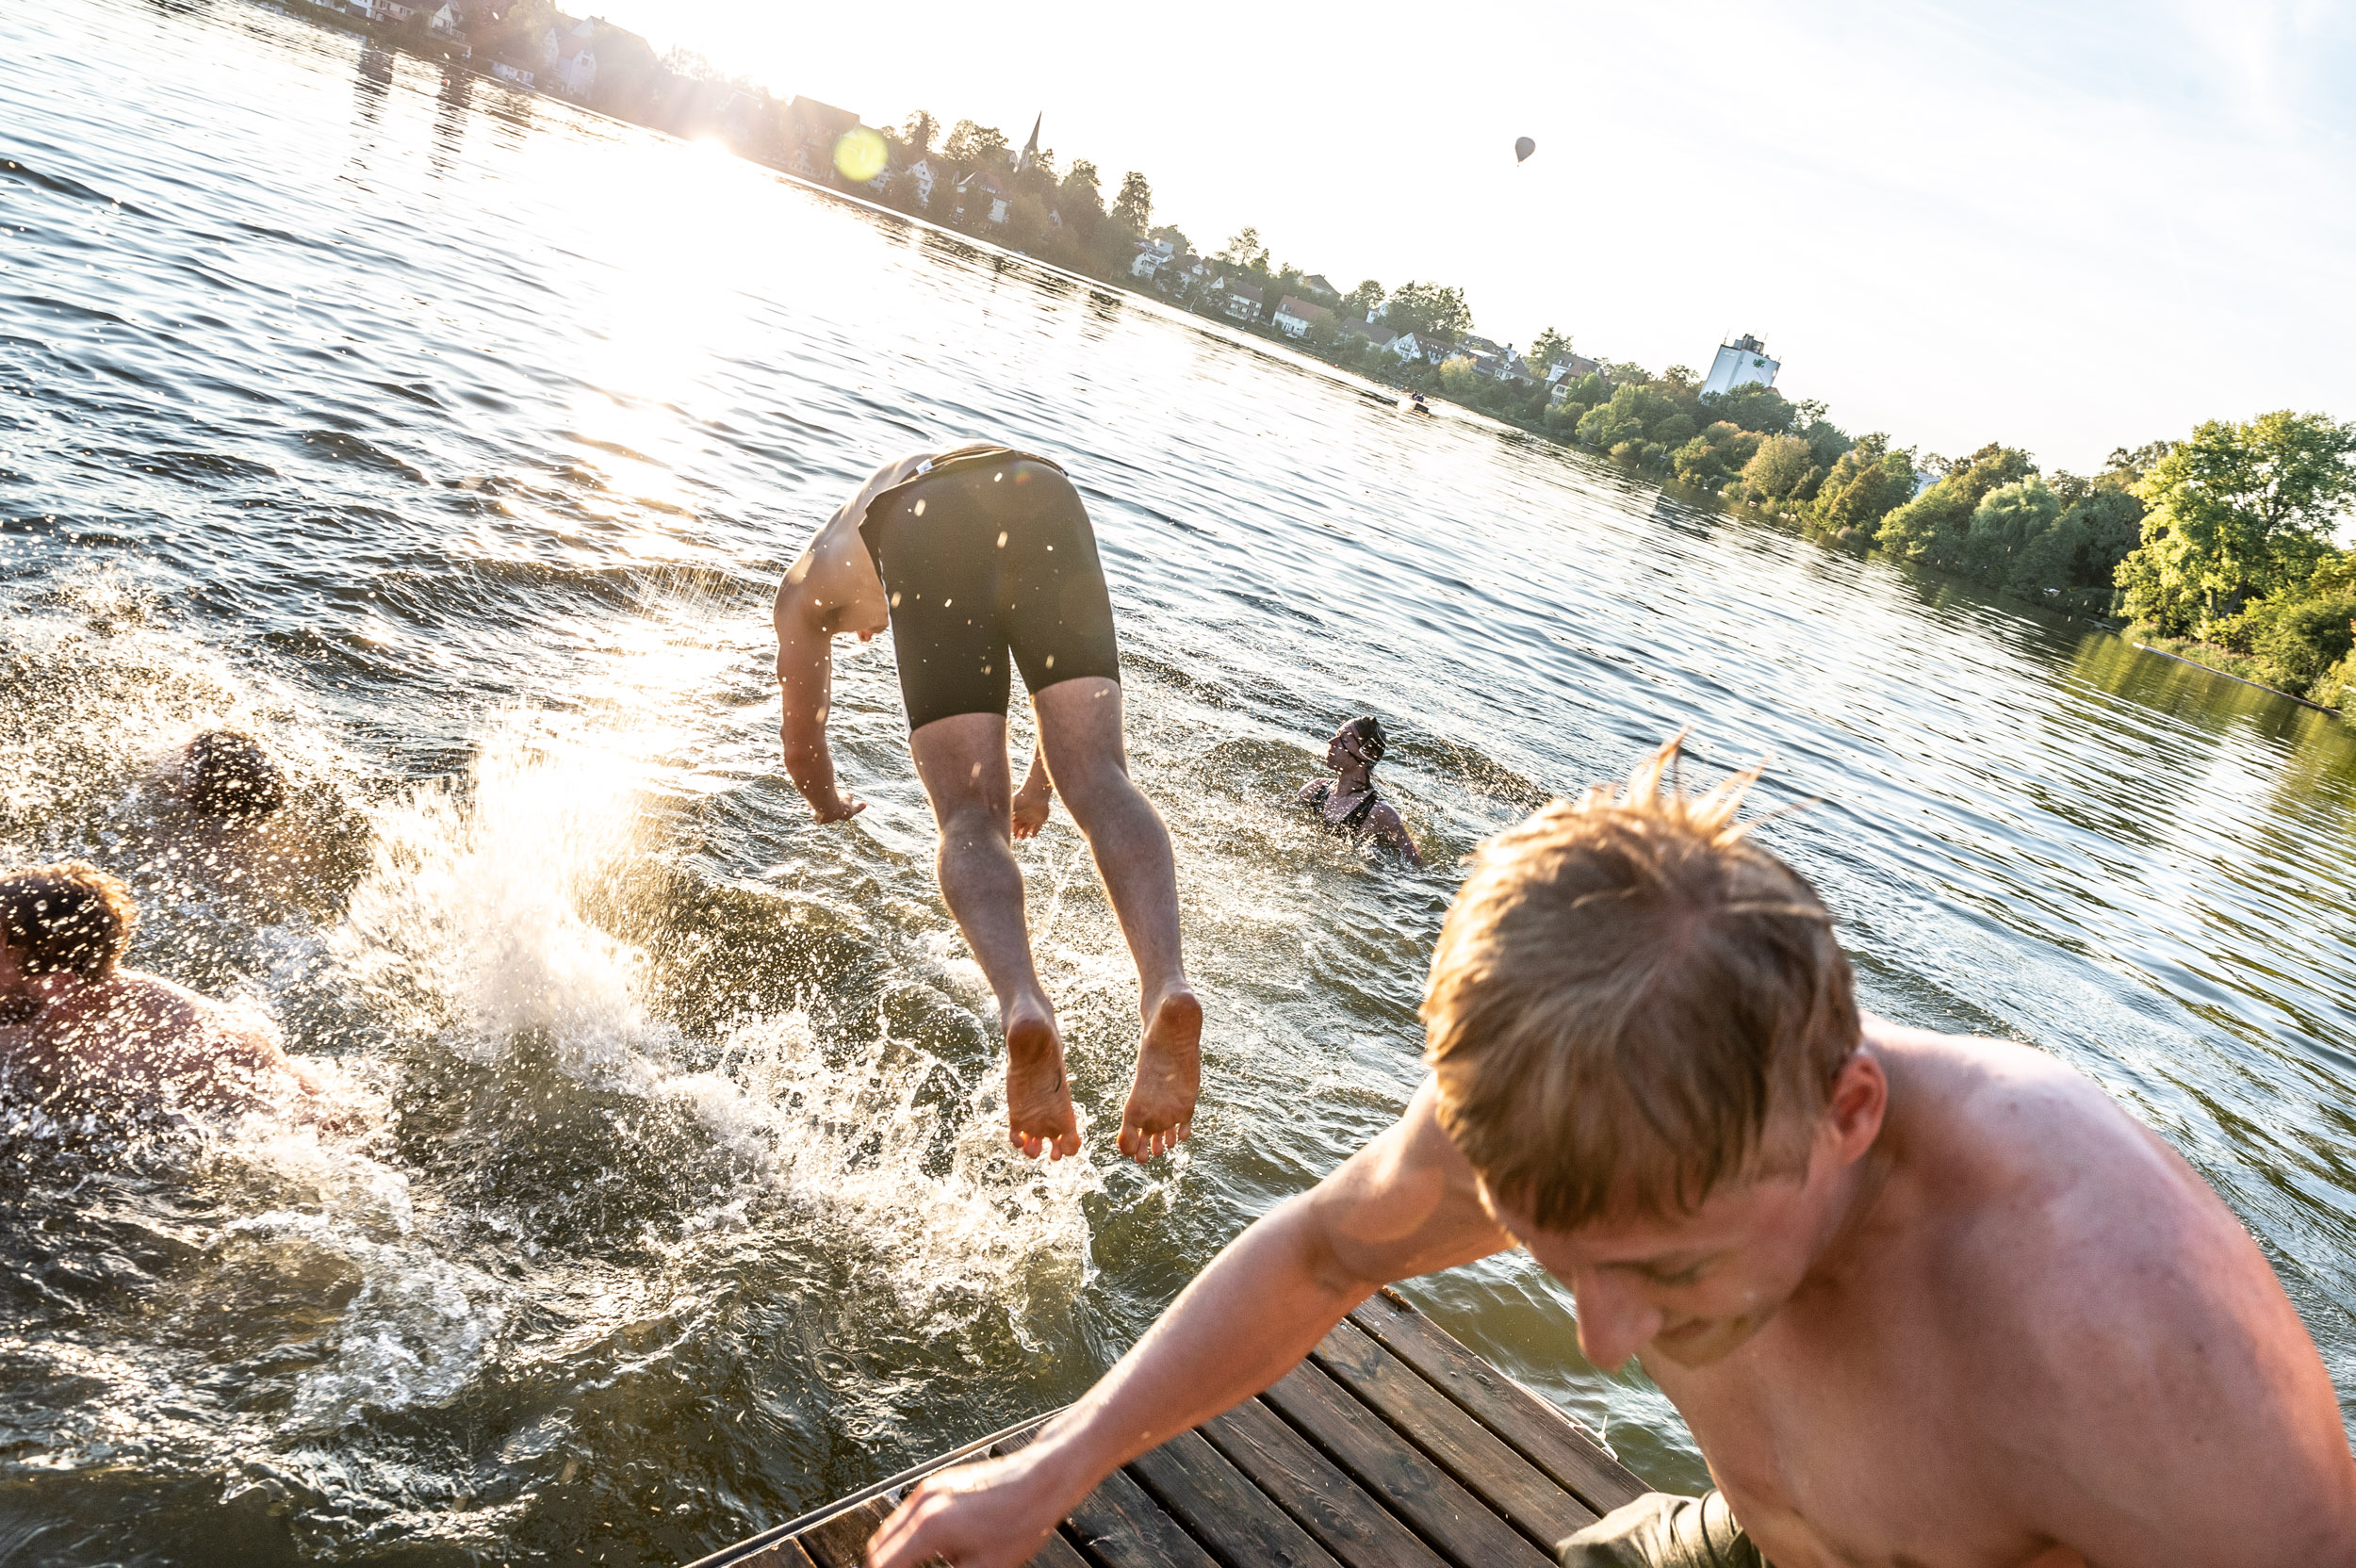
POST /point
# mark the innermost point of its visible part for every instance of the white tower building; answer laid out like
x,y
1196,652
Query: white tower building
x,y
1740,364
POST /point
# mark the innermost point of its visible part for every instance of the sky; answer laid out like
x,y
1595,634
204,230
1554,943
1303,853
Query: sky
x,y
2067,228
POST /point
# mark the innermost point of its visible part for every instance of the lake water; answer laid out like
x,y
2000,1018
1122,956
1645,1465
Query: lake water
x,y
455,440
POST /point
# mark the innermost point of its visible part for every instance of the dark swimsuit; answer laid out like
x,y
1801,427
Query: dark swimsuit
x,y
1353,823
987,556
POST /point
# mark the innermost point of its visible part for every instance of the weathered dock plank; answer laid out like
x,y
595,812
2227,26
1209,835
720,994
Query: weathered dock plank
x,y
1478,1460
1221,1508
1574,1456
1461,1526
1330,1502
1391,1447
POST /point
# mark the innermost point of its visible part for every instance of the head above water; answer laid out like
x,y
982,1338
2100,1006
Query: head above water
x,y
1642,1031
230,775
1358,740
65,919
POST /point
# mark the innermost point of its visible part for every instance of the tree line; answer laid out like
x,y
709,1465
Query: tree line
x,y
2220,545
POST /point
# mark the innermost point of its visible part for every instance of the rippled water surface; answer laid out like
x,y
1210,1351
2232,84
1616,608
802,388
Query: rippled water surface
x,y
455,441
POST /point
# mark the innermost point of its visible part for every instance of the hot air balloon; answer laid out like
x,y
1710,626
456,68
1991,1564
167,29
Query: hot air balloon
x,y
1523,147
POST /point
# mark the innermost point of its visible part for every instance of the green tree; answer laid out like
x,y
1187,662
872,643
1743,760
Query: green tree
x,y
1864,485
1715,455
1179,243
976,146
1751,406
1932,526
2008,520
917,135
2237,512
1246,252
1547,348
1078,201
1635,415
1133,209
1363,301
1458,378
1782,469
1427,307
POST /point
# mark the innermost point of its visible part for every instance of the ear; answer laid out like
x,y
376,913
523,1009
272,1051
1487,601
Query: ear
x,y
1853,1112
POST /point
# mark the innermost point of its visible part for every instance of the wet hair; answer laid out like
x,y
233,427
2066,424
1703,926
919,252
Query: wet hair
x,y
67,916
231,775
1372,742
1632,1004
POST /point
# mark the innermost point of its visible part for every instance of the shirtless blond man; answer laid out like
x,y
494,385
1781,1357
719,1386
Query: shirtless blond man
x,y
1924,1301
82,1032
981,560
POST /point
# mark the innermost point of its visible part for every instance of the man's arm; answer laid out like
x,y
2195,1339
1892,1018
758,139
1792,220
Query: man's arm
x,y
806,676
1405,1204
1035,798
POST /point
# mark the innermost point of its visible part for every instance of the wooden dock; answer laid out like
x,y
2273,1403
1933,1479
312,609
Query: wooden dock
x,y
1391,1447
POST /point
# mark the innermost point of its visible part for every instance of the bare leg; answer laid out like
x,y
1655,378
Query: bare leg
x,y
1079,729
962,761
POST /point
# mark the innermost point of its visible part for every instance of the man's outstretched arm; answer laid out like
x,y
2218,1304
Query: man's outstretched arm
x,y
806,676
1405,1204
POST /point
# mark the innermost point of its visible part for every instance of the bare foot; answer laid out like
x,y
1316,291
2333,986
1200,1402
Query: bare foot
x,y
1039,1120
1160,1112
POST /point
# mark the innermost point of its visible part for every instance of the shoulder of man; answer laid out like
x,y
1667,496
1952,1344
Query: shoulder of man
x,y
2149,1351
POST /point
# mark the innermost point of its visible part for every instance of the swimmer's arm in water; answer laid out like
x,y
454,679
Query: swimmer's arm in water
x,y
1038,795
1385,824
1405,1204
813,603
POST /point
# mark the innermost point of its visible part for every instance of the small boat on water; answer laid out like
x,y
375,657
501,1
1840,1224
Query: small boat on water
x,y
1391,1447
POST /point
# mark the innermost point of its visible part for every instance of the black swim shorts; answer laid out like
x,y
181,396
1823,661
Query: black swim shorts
x,y
984,559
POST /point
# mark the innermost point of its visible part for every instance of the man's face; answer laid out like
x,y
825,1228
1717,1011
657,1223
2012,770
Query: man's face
x,y
1689,1288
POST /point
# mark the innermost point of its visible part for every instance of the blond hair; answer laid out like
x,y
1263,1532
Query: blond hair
x,y
1631,1002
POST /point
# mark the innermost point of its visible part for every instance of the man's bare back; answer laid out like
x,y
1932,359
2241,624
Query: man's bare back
x,y
138,1042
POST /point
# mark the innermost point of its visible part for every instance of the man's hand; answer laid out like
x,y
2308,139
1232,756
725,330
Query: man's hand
x,y
993,1514
1031,805
844,809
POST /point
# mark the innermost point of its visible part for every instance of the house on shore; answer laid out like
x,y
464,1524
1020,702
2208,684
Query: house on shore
x,y
1568,372
1316,283
515,74
922,172
1370,331
577,71
1242,301
1295,316
984,191
1152,257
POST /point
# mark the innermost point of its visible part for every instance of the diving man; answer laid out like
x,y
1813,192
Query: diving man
x,y
981,560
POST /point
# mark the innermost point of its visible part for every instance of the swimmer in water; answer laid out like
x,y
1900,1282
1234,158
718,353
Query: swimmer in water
x,y
232,834
77,1030
1349,804
981,560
